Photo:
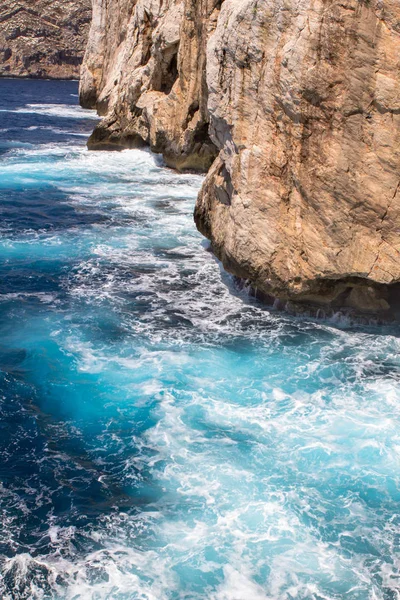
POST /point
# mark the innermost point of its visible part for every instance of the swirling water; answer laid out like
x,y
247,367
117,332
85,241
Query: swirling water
x,y
163,436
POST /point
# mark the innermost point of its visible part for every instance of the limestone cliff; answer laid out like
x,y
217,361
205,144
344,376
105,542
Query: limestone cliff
x,y
145,69
44,38
301,101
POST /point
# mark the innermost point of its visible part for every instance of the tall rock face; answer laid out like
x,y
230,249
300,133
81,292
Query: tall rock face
x,y
304,99
299,100
43,39
145,69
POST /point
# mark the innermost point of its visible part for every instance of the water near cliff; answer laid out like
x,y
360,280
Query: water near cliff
x,y
162,436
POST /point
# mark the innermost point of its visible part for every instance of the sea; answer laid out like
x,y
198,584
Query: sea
x,y
163,434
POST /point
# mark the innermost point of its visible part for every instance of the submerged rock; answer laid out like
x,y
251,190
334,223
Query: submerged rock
x,y
43,39
298,102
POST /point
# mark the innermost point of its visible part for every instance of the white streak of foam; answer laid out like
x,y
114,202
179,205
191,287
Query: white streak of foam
x,y
56,110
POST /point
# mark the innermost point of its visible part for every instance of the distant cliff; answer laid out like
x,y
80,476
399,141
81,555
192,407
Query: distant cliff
x,y
297,107
45,38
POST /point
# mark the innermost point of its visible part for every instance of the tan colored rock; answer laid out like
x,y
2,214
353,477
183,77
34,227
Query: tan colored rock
x,y
44,38
303,101
145,71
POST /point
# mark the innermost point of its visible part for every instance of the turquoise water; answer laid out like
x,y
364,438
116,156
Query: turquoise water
x,y
163,436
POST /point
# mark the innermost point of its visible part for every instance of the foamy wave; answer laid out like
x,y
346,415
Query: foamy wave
x,y
58,130
56,110
117,572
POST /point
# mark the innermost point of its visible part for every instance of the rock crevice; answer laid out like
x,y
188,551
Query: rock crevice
x,y
151,87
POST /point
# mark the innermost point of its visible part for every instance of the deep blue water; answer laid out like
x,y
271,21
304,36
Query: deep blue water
x,y
163,436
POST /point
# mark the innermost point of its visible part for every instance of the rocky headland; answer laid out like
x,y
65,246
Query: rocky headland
x,y
292,108
43,39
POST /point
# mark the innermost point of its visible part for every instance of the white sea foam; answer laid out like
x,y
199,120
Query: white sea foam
x,y
58,130
56,110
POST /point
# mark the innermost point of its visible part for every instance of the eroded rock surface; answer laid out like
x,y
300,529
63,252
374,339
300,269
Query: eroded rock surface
x,y
301,99
44,39
145,69
304,103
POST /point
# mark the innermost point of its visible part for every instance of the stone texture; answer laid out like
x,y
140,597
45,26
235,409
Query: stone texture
x,y
145,71
44,38
302,98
